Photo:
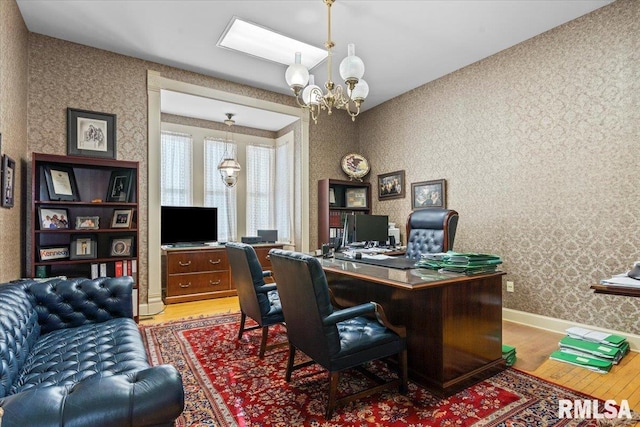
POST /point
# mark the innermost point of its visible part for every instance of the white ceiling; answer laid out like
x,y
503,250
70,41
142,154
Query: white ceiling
x,y
403,43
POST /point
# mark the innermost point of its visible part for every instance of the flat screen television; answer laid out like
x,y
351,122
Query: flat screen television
x,y
188,225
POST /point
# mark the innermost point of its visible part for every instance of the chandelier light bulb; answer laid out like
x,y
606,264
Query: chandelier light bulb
x,y
351,67
297,75
312,93
360,92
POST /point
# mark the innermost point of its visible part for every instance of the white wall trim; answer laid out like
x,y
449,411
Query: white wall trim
x,y
560,325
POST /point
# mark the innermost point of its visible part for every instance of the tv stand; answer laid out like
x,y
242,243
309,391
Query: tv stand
x,y
197,271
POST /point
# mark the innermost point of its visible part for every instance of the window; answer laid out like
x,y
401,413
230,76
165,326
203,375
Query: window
x,y
176,188
216,194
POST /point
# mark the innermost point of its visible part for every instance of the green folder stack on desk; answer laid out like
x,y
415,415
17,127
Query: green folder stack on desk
x,y
460,262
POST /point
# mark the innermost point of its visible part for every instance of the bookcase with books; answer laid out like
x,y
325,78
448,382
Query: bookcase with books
x,y
336,200
84,218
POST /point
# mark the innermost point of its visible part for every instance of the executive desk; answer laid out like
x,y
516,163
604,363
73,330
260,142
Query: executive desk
x,y
453,321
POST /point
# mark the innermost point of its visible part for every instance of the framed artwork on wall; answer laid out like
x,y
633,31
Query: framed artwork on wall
x,y
429,194
8,181
90,133
391,185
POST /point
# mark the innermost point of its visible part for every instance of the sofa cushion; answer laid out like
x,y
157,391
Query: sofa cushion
x,y
68,356
20,331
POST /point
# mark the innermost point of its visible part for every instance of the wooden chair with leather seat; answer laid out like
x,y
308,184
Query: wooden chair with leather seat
x,y
335,339
430,230
258,300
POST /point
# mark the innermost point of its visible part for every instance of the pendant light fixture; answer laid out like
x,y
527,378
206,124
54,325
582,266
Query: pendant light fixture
x,y
229,167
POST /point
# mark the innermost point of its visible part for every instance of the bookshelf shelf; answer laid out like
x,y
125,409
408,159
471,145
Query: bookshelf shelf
x,y
337,198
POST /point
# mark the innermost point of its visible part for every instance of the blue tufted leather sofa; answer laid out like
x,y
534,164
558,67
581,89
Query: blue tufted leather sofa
x,y
71,355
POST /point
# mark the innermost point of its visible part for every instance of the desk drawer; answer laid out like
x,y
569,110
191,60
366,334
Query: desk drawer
x,y
191,262
185,284
263,257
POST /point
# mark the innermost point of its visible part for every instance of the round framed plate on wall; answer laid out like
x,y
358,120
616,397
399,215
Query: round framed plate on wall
x,y
355,166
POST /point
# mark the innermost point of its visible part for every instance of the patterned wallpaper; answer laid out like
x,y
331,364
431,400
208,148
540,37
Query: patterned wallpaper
x,y
538,145
64,74
14,38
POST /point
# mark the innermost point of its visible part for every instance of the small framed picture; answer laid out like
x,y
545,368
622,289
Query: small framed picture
x,y
356,197
53,218
121,218
83,247
53,252
87,222
61,183
90,133
120,186
121,246
391,185
429,194
8,181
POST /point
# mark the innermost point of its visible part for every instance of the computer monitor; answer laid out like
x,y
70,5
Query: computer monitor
x,y
371,228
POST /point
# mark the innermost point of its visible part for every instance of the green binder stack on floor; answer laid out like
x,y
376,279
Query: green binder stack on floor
x,y
594,350
509,354
460,262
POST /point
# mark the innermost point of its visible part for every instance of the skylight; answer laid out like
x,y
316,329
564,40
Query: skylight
x,y
254,40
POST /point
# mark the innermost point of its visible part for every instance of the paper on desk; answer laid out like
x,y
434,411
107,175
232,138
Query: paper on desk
x,y
622,280
376,256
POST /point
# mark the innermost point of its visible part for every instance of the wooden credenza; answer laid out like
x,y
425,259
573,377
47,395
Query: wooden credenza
x,y
202,272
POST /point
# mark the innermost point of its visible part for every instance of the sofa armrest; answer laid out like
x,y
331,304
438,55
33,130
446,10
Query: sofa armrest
x,y
62,303
150,397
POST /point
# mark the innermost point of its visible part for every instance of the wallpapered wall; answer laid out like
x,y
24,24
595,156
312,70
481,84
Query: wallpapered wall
x,y
539,147
13,126
64,74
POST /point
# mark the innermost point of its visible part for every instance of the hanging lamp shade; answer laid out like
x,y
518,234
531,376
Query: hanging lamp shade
x,y
229,167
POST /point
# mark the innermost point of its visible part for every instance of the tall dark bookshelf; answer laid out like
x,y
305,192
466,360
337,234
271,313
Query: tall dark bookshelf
x,y
336,199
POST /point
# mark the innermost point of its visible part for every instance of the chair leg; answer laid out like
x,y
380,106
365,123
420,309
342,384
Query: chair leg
x,y
333,391
292,355
243,318
403,372
263,343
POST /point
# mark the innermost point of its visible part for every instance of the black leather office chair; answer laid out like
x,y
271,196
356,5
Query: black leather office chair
x,y
430,230
258,300
335,339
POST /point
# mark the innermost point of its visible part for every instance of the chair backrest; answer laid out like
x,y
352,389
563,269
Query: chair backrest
x,y
247,274
305,299
430,230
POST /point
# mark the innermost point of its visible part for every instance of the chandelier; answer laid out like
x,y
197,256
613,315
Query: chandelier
x,y
229,167
311,97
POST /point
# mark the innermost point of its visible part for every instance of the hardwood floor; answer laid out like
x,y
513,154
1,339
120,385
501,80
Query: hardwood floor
x,y
533,347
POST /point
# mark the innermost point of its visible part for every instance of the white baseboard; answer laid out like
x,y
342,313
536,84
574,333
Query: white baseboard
x,y
560,326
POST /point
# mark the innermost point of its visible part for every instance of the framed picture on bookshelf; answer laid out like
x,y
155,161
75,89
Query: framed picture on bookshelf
x,y
120,186
391,185
8,181
83,247
121,246
121,218
61,183
90,133
53,218
87,222
53,252
356,197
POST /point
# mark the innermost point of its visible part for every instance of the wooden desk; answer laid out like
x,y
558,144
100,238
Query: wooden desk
x,y
453,321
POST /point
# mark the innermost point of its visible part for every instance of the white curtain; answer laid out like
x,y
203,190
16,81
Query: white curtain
x,y
176,169
216,193
284,190
260,173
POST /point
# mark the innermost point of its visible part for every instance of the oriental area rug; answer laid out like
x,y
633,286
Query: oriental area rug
x,y
226,384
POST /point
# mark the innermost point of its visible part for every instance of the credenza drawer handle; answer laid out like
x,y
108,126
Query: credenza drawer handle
x,y
184,264
215,262
185,285
212,283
